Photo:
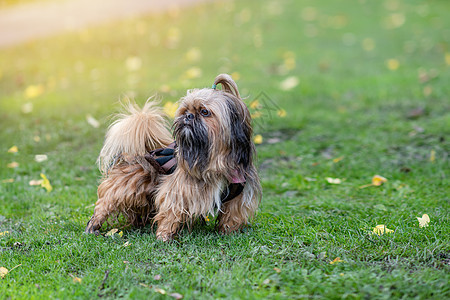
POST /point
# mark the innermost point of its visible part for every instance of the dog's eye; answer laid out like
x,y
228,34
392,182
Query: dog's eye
x,y
204,112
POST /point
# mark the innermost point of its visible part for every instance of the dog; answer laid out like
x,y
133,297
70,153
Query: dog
x,y
208,170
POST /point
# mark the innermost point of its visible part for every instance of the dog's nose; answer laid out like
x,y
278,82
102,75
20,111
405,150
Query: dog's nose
x,y
189,117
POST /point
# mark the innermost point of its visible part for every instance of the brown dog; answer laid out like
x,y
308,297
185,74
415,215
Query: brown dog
x,y
209,169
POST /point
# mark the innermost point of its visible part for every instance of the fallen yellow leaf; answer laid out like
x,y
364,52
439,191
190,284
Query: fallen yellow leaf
x,y
281,113
256,115
336,260
46,183
76,279
170,108
378,180
112,232
432,156
338,159
33,91
392,64
4,233
423,222
161,291
289,83
254,104
13,165
258,139
35,182
333,180
3,272
447,58
381,229
120,234
40,157
144,285
9,180
13,149
176,296
92,121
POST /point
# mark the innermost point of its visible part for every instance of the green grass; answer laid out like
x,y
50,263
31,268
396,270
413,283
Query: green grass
x,y
348,104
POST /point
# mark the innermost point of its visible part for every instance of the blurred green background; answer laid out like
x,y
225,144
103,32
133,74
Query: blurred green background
x,y
338,89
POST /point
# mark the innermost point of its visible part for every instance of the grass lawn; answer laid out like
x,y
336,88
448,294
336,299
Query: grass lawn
x,y
346,90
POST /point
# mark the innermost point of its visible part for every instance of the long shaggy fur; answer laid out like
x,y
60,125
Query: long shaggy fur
x,y
213,132
133,133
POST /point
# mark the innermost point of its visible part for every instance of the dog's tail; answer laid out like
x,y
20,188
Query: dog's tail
x,y
134,132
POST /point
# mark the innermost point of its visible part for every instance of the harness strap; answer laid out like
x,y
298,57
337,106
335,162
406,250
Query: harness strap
x,y
233,190
163,159
164,162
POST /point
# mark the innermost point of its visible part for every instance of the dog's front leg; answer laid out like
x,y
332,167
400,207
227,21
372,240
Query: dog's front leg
x,y
233,216
168,225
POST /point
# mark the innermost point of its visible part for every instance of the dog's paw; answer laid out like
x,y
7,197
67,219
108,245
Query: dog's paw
x,y
164,237
92,228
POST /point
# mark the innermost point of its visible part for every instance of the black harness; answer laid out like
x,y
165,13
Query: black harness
x,y
164,161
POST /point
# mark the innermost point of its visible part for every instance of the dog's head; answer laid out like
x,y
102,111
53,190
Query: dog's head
x,y
213,131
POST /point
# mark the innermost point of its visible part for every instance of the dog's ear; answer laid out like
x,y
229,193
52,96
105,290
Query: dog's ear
x,y
241,144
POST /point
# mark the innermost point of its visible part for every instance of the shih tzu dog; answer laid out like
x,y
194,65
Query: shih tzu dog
x,y
208,170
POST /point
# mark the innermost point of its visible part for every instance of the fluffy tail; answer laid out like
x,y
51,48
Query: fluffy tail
x,y
134,132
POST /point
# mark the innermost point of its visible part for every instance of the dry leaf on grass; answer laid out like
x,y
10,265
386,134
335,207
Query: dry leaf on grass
x,y
161,291
46,183
4,271
423,222
13,149
76,279
176,296
333,180
92,121
377,180
289,83
112,232
336,260
40,158
381,229
13,165
33,91
258,139
281,113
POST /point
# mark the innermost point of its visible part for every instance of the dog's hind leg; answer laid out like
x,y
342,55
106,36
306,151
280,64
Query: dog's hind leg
x,y
104,207
128,189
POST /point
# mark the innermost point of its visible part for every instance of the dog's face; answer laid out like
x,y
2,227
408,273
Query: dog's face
x,y
213,132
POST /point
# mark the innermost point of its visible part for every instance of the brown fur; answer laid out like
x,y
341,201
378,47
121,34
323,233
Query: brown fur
x,y
131,186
